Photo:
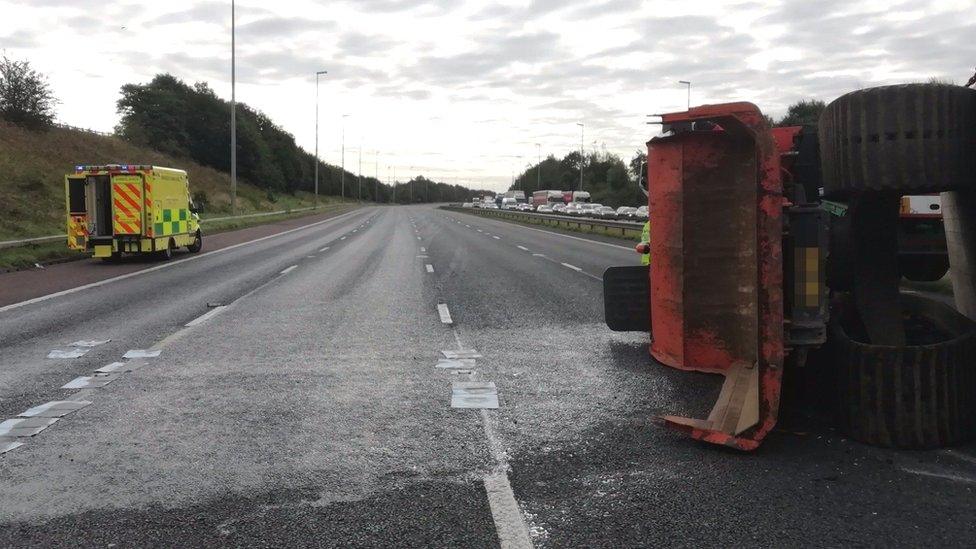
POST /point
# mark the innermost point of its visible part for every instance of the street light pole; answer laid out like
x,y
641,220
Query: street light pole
x,y
538,167
317,74
687,83
342,176
233,110
580,124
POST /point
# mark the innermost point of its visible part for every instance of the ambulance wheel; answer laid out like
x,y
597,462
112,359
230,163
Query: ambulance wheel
x,y
197,243
167,253
906,139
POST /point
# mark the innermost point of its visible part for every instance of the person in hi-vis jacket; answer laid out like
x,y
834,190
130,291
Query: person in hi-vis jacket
x,y
644,248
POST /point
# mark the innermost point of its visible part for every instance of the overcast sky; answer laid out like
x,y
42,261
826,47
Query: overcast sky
x,y
466,89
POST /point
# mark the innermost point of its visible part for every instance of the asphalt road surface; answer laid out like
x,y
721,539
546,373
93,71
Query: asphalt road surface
x,y
307,409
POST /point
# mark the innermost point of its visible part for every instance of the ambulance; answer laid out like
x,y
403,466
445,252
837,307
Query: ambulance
x,y
118,209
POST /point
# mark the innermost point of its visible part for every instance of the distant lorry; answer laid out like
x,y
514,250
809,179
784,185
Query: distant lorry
x,y
543,198
519,196
575,196
922,252
127,208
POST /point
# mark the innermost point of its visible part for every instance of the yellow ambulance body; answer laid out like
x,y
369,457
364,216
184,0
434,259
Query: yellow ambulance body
x,y
125,208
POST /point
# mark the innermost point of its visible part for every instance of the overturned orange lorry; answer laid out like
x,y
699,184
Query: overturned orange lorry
x,y
771,246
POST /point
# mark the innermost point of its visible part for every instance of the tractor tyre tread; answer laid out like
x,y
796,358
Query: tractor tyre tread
x,y
912,397
909,139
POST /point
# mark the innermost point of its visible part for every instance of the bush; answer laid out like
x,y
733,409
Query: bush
x,y
25,97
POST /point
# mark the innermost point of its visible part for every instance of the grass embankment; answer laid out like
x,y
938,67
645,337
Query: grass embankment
x,y
32,170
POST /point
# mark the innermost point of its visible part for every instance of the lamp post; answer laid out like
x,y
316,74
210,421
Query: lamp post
x,y
233,111
687,83
342,176
580,124
538,167
317,74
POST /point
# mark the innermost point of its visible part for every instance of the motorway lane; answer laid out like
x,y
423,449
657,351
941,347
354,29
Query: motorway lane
x,y
136,312
19,286
309,413
591,470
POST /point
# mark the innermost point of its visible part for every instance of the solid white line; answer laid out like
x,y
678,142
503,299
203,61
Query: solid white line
x,y
206,316
289,269
430,268
164,265
945,476
573,267
523,248
444,313
509,524
323,249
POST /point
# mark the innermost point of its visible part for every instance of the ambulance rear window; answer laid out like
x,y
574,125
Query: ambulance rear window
x,y
76,195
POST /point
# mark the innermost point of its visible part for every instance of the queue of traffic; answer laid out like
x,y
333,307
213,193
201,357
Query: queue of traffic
x,y
572,203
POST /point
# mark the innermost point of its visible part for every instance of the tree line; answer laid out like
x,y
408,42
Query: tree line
x,y
611,182
191,121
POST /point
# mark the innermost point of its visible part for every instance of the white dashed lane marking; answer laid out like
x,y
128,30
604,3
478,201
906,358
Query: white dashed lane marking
x,y
323,249
430,268
289,269
206,316
573,267
523,248
496,238
444,313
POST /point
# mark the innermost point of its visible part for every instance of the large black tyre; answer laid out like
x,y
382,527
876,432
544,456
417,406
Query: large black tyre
x,y
909,139
924,268
916,396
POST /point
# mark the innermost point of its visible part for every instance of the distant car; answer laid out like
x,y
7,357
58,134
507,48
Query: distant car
x,y
572,209
586,209
490,206
523,207
545,208
641,213
468,205
625,212
559,208
509,204
604,212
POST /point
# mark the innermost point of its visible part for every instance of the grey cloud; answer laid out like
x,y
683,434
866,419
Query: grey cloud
x,y
209,11
19,39
360,45
283,27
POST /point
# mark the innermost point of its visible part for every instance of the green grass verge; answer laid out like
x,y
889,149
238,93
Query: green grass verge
x,y
46,253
